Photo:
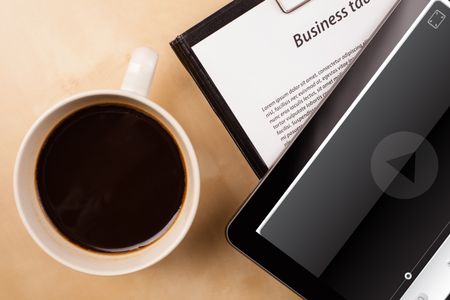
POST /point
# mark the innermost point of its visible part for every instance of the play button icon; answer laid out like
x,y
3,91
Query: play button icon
x,y
404,165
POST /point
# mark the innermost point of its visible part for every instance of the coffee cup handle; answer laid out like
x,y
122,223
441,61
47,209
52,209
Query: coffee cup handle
x,y
141,68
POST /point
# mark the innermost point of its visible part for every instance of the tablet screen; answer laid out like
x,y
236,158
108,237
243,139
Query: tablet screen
x,y
372,205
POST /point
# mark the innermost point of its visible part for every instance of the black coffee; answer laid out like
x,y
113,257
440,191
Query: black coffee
x,y
111,178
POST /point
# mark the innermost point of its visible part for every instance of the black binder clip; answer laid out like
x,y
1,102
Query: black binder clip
x,y
288,6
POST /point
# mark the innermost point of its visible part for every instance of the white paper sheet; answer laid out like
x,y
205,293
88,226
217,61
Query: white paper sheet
x,y
274,69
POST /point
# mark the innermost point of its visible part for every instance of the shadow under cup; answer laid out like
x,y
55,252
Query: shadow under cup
x,y
116,253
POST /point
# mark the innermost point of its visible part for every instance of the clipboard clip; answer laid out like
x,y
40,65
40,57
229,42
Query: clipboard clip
x,y
288,6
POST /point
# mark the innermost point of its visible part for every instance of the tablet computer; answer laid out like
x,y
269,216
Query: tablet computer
x,y
358,207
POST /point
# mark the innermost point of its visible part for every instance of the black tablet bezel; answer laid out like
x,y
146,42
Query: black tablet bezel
x,y
241,231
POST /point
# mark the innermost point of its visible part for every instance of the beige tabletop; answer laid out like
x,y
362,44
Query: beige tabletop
x,y
50,49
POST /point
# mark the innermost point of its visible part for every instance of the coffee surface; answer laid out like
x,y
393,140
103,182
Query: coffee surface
x,y
110,178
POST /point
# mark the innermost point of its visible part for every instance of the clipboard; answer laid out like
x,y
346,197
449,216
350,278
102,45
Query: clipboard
x,y
183,47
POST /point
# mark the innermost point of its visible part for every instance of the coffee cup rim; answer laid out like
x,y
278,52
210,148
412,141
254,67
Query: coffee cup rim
x,y
192,171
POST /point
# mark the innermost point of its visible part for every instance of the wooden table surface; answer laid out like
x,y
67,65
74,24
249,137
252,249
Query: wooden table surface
x,y
51,49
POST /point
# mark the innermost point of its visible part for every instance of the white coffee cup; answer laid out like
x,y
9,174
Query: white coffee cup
x,y
133,93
